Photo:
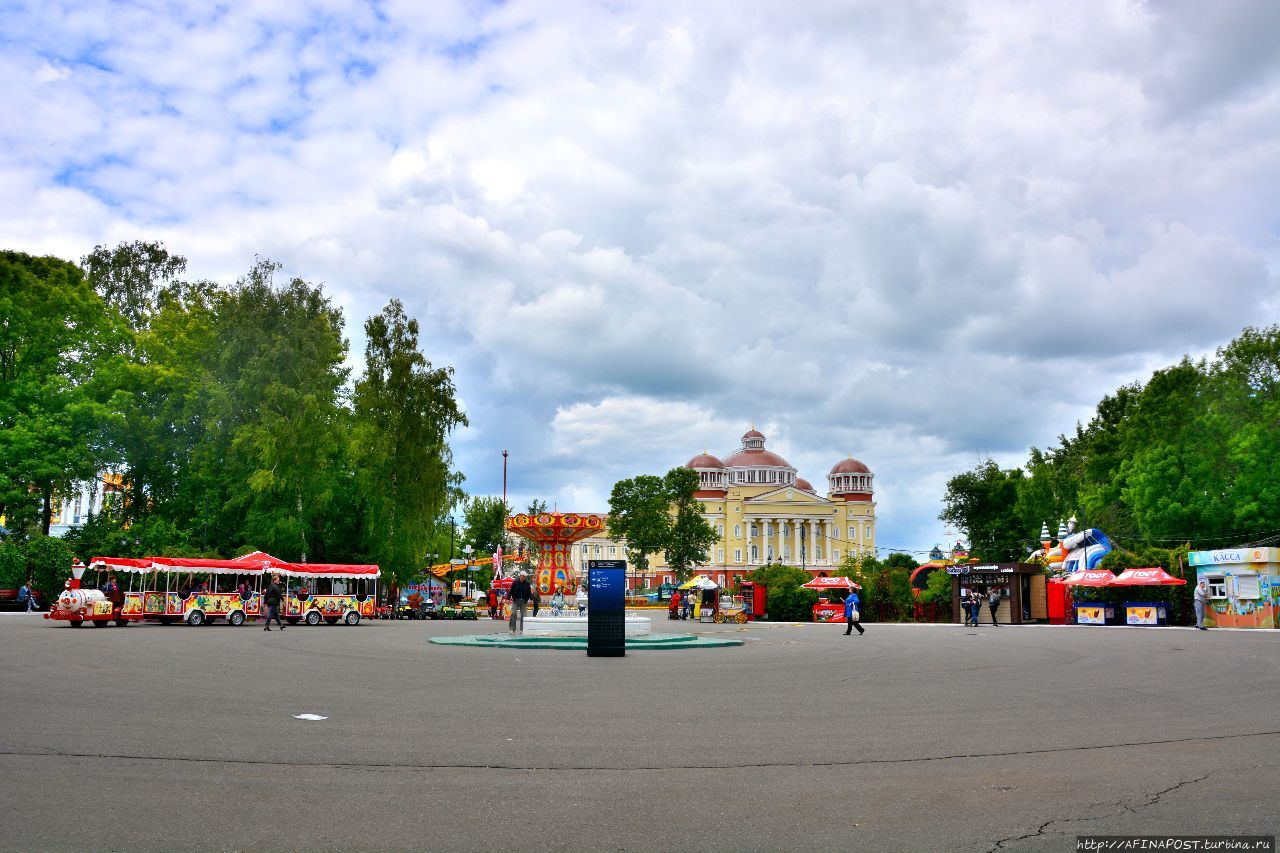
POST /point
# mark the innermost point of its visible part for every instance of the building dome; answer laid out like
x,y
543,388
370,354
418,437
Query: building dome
x,y
850,466
752,465
803,484
851,480
704,460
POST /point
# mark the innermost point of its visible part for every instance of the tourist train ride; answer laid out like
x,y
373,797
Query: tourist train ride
x,y
197,591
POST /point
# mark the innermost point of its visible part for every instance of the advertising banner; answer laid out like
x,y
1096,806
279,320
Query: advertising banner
x,y
1091,615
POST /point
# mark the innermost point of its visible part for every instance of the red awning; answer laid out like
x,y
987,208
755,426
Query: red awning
x,y
203,565
831,583
120,564
1092,577
503,583
262,559
327,570
1146,577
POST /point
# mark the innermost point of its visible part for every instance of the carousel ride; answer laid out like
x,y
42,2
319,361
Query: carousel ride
x,y
554,533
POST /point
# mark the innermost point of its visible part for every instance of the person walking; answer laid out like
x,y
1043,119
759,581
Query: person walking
x,y
1201,601
993,601
493,603
581,599
557,602
975,607
520,593
271,598
852,613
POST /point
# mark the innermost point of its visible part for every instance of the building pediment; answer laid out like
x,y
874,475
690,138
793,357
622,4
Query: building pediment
x,y
784,497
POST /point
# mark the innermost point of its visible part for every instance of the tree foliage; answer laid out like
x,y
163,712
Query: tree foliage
x,y
227,412
1191,456
660,514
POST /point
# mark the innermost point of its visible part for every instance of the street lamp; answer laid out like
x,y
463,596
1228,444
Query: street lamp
x,y
467,549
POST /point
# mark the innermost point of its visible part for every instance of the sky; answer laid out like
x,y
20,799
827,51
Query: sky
x,y
920,233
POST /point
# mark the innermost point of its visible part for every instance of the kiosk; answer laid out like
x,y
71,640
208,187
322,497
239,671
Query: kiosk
x,y
1023,597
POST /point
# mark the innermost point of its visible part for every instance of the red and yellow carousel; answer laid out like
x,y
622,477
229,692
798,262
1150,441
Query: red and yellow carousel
x,y
554,533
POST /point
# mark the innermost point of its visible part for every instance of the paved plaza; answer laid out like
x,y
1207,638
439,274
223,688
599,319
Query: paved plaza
x,y
911,737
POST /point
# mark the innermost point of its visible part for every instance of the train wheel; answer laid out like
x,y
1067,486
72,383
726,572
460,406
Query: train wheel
x,y
195,617
313,617
75,623
236,617
718,618
353,618
741,618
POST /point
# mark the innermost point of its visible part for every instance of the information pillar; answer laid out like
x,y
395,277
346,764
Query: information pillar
x,y
606,608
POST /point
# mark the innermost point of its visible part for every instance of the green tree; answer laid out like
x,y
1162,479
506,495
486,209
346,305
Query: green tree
x,y
484,523
982,503
130,277
404,412
639,514
689,536
53,331
281,432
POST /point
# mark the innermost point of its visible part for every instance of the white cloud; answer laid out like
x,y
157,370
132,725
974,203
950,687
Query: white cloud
x,y
914,231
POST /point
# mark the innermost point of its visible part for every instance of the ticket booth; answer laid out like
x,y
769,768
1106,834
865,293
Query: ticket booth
x,y
1023,593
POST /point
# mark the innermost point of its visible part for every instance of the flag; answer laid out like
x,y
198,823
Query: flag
x,y
497,563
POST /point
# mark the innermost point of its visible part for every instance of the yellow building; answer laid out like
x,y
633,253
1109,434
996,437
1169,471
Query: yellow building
x,y
763,512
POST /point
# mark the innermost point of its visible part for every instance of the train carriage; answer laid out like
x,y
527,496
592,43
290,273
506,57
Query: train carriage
x,y
328,592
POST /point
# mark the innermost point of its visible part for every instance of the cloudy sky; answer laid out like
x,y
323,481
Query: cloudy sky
x,y
915,232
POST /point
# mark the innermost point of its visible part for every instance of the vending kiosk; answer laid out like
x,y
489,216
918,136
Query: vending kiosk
x,y
753,595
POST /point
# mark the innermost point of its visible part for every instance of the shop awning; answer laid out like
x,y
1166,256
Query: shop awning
x,y
1090,577
831,583
699,582
1146,577
503,583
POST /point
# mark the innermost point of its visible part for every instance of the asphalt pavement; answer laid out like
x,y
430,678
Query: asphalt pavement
x,y
914,738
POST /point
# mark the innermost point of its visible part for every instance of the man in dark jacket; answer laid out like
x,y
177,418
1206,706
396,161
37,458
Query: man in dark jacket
x,y
271,598
521,592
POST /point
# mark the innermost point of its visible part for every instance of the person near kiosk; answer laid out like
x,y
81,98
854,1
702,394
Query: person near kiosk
x,y
1201,601
993,601
852,614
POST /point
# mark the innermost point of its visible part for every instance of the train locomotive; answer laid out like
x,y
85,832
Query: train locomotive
x,y
77,605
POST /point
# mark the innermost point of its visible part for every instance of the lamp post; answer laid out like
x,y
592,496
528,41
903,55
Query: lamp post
x,y
467,549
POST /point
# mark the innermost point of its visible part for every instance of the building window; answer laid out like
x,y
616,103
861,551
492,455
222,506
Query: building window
x,y
835,555
755,553
720,530
737,531
1217,585
755,531
613,550
668,579
737,555
599,550
720,579
586,549
868,531
720,555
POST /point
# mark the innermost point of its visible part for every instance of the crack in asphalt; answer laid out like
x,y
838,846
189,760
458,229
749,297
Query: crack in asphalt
x,y
1122,806
51,752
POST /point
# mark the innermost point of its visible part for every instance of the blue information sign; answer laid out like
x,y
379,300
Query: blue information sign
x,y
606,608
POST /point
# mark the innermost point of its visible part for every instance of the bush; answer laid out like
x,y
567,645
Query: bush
x,y
785,601
13,566
49,564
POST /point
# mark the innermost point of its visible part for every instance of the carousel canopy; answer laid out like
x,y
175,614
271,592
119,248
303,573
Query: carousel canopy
x,y
1146,577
